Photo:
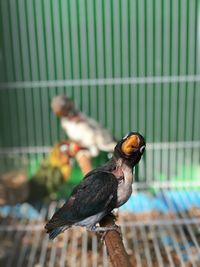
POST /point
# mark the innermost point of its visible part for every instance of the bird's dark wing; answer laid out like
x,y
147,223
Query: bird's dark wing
x,y
96,193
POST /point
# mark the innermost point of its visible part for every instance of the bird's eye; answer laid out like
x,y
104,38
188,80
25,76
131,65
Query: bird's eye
x,y
64,148
125,136
142,149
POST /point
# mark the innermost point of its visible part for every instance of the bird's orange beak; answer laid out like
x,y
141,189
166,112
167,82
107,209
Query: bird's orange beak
x,y
131,144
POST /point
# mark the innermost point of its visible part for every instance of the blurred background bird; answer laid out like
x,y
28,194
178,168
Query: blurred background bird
x,y
54,171
87,138
81,128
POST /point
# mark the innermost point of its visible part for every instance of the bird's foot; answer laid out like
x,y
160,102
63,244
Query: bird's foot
x,y
114,214
104,230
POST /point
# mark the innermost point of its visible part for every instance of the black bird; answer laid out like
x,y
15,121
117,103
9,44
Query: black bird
x,y
102,190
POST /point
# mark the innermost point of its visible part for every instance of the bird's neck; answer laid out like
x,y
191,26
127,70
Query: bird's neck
x,y
119,161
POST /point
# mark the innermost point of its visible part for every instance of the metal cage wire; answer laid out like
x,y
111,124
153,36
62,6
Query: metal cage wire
x,y
131,64
166,241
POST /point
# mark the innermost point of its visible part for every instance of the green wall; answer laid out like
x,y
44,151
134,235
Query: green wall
x,y
62,40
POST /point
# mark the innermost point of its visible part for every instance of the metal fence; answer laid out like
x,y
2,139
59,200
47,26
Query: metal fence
x,y
132,65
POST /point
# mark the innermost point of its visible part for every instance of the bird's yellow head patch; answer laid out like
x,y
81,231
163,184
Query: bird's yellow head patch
x,y
131,144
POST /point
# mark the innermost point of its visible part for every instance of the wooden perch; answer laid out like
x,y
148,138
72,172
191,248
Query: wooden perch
x,y
114,244
84,162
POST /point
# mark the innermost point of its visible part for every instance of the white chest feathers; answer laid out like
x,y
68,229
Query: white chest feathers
x,y
125,185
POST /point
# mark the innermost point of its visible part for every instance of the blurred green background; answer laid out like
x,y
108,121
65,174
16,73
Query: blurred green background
x,y
74,40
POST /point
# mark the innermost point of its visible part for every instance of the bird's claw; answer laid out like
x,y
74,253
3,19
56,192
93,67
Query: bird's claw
x,y
105,230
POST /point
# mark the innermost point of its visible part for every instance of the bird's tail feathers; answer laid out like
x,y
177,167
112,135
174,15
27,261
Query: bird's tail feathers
x,y
56,231
55,222
55,226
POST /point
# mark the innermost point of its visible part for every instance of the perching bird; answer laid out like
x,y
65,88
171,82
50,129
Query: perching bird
x,y
61,154
102,190
54,171
82,129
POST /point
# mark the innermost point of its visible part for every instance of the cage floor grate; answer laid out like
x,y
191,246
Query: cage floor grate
x,y
151,238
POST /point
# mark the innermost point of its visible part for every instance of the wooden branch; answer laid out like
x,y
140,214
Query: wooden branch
x,y
84,162
114,244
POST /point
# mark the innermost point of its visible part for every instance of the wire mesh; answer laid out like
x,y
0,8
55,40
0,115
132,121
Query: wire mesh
x,y
177,161
151,239
119,62
132,66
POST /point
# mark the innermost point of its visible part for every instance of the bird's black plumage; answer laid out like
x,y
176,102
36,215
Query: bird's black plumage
x,y
103,189
96,193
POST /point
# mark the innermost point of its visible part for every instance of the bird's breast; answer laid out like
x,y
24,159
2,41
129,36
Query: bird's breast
x,y
125,186
92,220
